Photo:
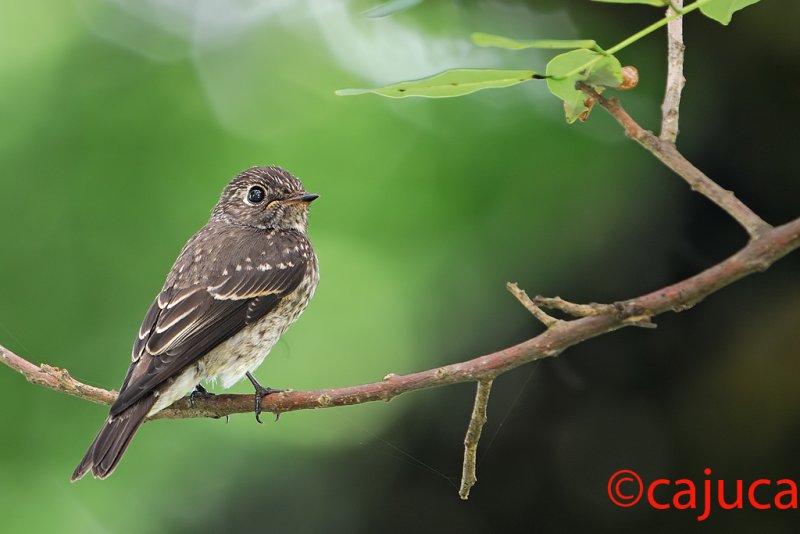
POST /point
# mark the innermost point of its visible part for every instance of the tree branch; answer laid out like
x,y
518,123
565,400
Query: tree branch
x,y
667,153
55,378
476,422
526,301
675,79
769,246
591,309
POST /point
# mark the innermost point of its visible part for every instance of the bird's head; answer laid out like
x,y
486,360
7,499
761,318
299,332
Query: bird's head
x,y
265,197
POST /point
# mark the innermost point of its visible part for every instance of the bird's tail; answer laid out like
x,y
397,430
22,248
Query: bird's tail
x,y
107,449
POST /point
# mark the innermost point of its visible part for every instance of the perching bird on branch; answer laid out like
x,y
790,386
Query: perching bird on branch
x,y
235,288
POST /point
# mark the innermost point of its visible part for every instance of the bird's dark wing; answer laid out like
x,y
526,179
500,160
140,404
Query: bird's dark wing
x,y
189,319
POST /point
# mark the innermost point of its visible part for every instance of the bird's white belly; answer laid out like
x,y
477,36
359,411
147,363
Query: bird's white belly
x,y
242,353
228,362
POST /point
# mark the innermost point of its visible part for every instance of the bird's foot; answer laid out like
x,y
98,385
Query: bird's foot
x,y
260,393
199,393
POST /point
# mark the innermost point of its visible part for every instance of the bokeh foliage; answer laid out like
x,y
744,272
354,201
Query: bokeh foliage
x,y
121,122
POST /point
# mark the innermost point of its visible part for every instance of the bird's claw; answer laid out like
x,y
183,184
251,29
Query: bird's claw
x,y
260,393
199,393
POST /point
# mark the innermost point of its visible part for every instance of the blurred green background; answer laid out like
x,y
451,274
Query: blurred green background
x,y
121,121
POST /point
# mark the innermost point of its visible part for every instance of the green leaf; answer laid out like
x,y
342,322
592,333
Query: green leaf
x,y
455,82
600,71
586,65
390,8
563,64
723,10
487,39
605,73
657,3
574,105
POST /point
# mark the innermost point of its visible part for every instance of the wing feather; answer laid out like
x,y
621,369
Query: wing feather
x,y
187,320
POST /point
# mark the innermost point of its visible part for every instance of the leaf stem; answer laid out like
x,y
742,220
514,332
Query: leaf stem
x,y
656,25
635,37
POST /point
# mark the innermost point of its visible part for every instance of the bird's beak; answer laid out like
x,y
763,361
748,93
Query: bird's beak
x,y
305,197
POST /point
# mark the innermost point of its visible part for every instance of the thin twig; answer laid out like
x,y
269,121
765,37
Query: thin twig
x,y
55,378
669,156
756,256
576,310
476,422
536,304
631,316
526,301
675,79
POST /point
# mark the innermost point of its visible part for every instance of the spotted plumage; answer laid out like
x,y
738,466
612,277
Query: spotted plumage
x,y
236,286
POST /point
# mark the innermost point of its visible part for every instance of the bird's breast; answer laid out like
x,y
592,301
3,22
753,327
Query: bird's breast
x,y
246,350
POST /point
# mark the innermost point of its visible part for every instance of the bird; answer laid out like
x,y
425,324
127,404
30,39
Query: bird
x,y
234,289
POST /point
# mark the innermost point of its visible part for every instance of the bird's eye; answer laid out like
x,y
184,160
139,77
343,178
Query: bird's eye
x,y
256,195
